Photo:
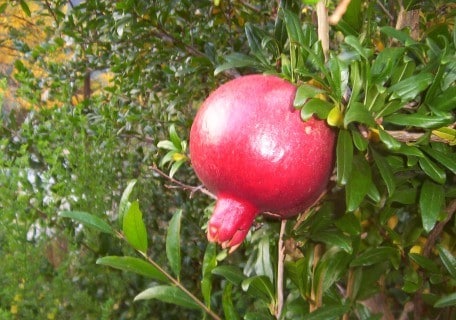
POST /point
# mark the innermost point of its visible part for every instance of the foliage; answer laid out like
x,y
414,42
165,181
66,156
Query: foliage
x,y
110,90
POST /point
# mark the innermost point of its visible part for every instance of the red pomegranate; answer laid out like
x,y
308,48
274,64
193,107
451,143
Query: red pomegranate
x,y
249,146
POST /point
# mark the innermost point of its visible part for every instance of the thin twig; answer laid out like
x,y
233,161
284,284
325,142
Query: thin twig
x,y
182,185
385,10
280,269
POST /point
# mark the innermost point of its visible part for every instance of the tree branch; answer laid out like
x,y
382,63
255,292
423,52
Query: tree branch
x,y
323,27
339,12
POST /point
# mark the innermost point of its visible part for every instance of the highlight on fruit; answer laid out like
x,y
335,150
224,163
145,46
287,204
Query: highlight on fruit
x,y
249,146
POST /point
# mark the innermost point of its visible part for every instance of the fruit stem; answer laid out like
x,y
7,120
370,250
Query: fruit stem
x,y
280,269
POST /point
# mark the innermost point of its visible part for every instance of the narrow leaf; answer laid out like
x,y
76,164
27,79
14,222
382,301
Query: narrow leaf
x,y
304,92
419,120
25,8
173,250
327,313
432,170
259,287
124,203
227,303
134,229
358,184
230,273
448,260
446,301
389,141
316,106
357,112
168,294
174,137
410,87
132,264
88,220
385,172
209,263
334,238
375,255
448,160
432,198
344,154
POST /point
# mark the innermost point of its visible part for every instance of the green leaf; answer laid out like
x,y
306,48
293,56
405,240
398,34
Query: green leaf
x,y
294,28
259,287
334,238
316,106
390,142
446,301
227,303
331,267
355,44
134,229
124,203
397,34
299,273
176,165
327,313
132,264
385,171
237,60
167,145
88,220
304,92
349,223
209,263
168,294
176,141
359,141
446,101
254,38
410,87
384,64
25,8
419,120
357,112
230,273
432,199
3,7
424,262
432,170
358,184
445,159
173,250
344,155
375,255
448,260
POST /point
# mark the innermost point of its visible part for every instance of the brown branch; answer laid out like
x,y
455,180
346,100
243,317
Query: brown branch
x,y
182,185
339,12
385,10
323,27
405,136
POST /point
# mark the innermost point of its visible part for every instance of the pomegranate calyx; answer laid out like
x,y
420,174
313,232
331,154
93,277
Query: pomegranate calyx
x,y
231,221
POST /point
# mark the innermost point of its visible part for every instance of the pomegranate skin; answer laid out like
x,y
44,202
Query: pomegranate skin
x,y
249,146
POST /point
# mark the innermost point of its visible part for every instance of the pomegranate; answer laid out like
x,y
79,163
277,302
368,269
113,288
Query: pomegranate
x,y
249,146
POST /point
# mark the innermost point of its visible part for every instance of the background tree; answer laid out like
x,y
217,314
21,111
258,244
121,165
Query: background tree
x,y
105,92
